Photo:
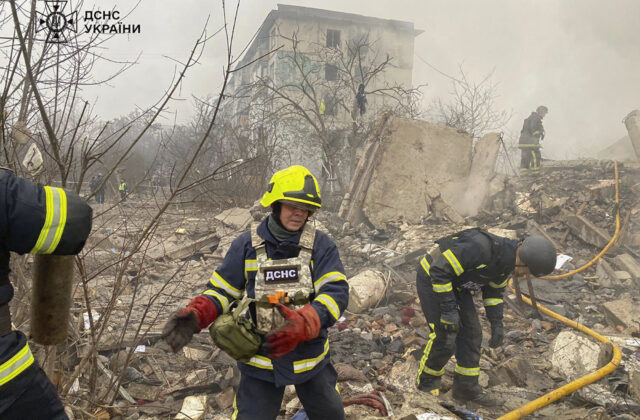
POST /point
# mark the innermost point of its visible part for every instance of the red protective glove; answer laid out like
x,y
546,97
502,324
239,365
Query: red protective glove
x,y
302,325
180,328
205,310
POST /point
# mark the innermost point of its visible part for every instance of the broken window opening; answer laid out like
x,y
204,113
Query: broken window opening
x,y
330,72
333,38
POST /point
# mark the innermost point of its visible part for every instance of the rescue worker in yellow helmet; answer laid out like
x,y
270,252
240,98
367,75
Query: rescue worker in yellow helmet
x,y
296,283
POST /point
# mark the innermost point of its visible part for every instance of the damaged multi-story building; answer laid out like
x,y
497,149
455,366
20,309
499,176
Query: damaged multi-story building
x,y
296,86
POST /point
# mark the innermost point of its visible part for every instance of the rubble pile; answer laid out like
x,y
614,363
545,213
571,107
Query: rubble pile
x,y
377,345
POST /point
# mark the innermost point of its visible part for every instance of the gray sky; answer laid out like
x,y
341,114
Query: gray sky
x,y
581,58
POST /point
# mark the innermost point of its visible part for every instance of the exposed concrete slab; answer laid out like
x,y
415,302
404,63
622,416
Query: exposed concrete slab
x,y
606,274
625,312
416,153
629,264
621,150
405,160
185,251
632,122
534,228
587,231
237,217
480,175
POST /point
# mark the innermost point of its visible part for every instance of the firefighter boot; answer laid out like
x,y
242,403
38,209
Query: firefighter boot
x,y
429,383
467,389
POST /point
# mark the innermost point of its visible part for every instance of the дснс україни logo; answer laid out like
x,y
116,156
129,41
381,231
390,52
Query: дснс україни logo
x,y
56,22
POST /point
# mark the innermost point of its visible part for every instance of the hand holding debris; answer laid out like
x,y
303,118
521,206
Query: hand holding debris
x,y
302,325
450,321
497,334
180,328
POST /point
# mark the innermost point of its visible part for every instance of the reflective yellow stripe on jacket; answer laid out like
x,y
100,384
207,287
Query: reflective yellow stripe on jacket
x,y
14,366
55,219
328,278
224,302
425,265
330,304
455,264
306,365
217,281
249,265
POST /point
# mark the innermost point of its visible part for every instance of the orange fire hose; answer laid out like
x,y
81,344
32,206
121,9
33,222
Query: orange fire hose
x,y
571,387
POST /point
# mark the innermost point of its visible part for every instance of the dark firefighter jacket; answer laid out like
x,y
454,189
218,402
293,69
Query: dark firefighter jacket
x,y
34,219
236,276
532,132
472,260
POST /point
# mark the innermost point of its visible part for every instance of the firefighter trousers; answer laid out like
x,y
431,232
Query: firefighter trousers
x,y
261,400
530,160
442,345
36,397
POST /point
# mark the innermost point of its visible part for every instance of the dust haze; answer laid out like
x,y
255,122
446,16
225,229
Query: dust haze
x,y
579,58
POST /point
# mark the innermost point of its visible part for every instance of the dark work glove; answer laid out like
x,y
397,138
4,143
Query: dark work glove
x,y
497,334
180,328
450,321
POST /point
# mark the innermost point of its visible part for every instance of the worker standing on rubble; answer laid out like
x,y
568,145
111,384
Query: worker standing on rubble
x,y
530,137
34,219
464,263
294,281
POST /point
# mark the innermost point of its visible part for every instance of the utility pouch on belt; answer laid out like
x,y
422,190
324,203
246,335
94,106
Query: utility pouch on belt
x,y
235,333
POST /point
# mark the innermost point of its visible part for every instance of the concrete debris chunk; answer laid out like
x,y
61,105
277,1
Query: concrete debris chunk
x,y
606,274
193,408
629,264
225,399
403,374
575,355
624,312
634,384
365,290
586,231
195,353
238,218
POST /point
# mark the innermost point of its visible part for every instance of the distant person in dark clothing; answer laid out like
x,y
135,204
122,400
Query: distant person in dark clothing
x,y
530,137
361,99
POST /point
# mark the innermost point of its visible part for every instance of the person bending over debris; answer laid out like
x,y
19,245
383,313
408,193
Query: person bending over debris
x,y
466,262
34,219
295,288
529,144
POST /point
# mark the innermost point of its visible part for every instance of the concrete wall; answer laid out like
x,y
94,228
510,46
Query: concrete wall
x,y
416,157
